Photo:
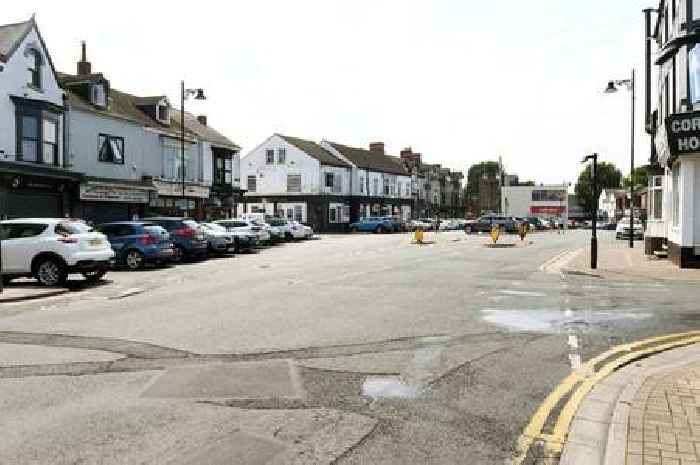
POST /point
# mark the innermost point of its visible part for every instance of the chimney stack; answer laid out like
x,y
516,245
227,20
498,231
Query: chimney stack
x,y
377,147
84,66
202,120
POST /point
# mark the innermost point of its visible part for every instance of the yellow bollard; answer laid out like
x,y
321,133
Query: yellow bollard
x,y
495,233
418,236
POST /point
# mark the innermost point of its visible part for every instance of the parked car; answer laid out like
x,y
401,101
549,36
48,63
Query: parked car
x,y
486,223
398,224
430,222
623,229
219,241
187,236
412,225
51,249
136,243
249,226
307,230
288,229
276,233
376,224
243,239
535,223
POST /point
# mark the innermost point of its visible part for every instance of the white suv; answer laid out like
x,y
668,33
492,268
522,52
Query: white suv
x,y
50,249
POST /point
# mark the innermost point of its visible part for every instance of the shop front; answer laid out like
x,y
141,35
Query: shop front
x,y
168,200
104,200
37,191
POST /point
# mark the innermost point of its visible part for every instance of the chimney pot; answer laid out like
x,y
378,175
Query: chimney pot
x,y
202,120
376,147
84,66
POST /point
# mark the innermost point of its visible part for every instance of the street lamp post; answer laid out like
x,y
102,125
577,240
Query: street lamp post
x,y
612,88
184,95
594,191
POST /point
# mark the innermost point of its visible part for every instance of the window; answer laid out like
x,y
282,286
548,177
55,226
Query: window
x,y
163,113
673,9
172,162
298,213
386,188
675,175
657,192
541,195
408,189
329,180
29,130
34,69
332,215
666,25
667,102
362,185
293,183
252,183
223,170
281,156
337,183
50,142
111,149
98,95
269,157
290,214
375,186
21,231
694,74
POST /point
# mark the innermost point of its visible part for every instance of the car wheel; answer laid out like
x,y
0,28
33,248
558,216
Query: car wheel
x,y
379,230
133,260
353,229
50,272
468,230
94,276
6,280
179,255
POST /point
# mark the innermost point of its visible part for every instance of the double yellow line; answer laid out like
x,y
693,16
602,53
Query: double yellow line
x,y
586,378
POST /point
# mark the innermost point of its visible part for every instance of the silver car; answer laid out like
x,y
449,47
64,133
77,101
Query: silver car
x,y
218,241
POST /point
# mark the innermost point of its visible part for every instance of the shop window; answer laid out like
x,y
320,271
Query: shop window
x,y
298,213
290,214
332,215
252,183
675,211
111,149
293,183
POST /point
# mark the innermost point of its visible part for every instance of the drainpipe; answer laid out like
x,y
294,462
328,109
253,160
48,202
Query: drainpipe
x,y
649,122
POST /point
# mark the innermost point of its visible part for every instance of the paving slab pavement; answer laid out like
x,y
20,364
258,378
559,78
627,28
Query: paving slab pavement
x,y
644,413
617,261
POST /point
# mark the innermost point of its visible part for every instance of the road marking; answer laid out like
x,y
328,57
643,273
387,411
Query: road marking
x,y
586,378
559,261
573,341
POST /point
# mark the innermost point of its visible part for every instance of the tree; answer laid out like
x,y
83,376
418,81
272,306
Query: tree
x,y
476,172
641,175
608,177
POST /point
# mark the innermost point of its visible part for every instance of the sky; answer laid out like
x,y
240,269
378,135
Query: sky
x,y
460,81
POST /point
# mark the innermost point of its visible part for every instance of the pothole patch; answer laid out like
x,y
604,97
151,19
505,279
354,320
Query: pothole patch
x,y
244,380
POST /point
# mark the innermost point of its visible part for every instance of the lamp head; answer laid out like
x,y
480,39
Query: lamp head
x,y
200,95
611,89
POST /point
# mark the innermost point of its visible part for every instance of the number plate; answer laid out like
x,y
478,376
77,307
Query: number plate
x,y
95,242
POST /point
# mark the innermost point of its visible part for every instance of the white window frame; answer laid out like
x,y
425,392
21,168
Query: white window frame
x,y
270,156
282,156
675,195
289,176
255,183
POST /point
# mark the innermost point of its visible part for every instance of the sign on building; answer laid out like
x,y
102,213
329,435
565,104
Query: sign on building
x,y
683,133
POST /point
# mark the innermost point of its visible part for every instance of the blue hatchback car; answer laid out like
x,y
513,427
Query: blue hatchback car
x,y
377,224
186,234
136,243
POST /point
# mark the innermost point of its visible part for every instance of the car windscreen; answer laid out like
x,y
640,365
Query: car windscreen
x,y
274,222
72,227
191,224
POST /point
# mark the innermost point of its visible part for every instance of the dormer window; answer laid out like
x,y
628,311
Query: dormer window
x,y
163,113
34,68
99,97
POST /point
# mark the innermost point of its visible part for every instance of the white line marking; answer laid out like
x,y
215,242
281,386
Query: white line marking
x,y
573,341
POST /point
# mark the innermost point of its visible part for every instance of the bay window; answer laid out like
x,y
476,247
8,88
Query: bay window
x,y
50,142
173,167
37,136
694,74
29,130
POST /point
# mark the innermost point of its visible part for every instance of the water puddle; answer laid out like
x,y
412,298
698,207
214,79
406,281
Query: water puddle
x,y
554,321
388,387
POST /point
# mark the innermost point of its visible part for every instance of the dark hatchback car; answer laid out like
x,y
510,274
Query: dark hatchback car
x,y
187,236
136,243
